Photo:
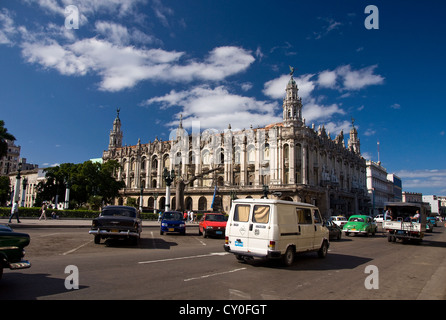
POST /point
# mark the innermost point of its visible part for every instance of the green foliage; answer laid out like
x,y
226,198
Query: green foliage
x,y
4,189
4,135
86,180
35,212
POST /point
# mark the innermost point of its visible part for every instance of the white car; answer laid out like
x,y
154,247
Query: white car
x,y
339,220
380,218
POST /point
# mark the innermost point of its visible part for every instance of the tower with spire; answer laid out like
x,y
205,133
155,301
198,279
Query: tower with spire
x,y
292,104
115,140
353,141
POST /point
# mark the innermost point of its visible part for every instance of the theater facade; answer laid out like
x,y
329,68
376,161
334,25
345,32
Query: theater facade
x,y
287,160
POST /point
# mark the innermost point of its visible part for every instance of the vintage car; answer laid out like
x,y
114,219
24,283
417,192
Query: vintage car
x,y
117,222
339,220
212,224
360,224
173,221
432,220
335,231
12,251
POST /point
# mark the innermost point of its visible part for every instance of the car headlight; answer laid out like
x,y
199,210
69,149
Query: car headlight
x,y
164,224
182,225
209,228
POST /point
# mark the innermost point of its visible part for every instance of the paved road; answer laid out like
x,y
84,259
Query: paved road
x,y
191,267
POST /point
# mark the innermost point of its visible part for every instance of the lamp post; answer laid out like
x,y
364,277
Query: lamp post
x,y
168,178
155,197
66,204
141,195
265,191
24,183
17,184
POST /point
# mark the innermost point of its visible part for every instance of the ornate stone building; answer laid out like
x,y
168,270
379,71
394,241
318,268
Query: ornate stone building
x,y
289,159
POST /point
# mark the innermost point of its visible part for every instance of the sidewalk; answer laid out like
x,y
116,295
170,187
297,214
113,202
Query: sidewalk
x,y
67,223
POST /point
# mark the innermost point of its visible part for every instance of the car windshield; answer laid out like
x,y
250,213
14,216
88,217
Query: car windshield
x,y
119,212
173,216
356,219
215,217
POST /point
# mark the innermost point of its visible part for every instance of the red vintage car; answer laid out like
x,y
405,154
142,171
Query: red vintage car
x,y
212,224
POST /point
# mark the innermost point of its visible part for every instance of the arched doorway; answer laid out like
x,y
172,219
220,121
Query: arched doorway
x,y
202,204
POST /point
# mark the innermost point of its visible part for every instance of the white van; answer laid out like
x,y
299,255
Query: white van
x,y
273,229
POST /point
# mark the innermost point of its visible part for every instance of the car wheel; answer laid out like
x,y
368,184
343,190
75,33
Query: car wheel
x,y
199,231
97,239
161,232
322,253
288,257
1,272
205,235
339,236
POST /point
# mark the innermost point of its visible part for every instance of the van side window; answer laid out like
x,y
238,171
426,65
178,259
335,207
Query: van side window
x,y
241,212
304,216
317,216
261,214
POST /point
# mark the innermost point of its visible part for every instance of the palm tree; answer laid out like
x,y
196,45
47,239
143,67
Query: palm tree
x,y
4,135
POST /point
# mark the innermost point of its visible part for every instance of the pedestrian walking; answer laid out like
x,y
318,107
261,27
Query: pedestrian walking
x,y
15,211
43,211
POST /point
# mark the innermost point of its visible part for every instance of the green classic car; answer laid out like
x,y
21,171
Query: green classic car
x,y
12,251
360,224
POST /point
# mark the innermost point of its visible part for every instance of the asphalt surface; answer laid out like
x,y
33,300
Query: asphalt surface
x,y
66,223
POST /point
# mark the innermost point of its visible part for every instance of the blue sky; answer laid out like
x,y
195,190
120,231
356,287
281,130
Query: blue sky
x,y
225,62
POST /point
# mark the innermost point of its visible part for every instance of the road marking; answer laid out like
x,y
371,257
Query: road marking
x,y
214,274
199,240
77,248
48,235
184,258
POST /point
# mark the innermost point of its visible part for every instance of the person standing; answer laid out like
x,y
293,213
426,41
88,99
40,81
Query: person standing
x,y
15,211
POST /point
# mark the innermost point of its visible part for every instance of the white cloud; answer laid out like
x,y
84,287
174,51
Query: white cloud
x,y
217,107
314,112
426,179
358,79
122,67
327,79
7,27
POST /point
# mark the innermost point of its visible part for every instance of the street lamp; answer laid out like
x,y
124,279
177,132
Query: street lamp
x,y
168,178
24,183
17,184
265,191
66,204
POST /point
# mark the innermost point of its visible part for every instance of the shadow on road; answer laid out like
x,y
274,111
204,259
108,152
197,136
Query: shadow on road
x,y
21,286
310,261
143,243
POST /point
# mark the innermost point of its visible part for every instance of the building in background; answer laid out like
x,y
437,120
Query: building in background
x,y
289,160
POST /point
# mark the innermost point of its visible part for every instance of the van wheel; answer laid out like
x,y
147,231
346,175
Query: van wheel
x,y
322,253
288,257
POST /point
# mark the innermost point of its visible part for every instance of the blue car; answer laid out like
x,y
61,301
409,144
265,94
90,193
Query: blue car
x,y
172,221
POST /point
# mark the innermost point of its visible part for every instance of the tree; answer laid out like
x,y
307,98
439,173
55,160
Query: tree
x,y
4,190
87,181
4,135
